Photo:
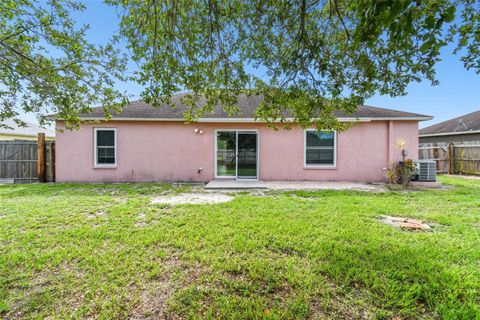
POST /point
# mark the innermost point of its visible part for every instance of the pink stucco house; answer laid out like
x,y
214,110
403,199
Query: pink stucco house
x,y
144,143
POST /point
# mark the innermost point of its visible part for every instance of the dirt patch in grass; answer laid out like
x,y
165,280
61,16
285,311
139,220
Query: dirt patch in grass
x,y
154,301
338,307
97,214
192,198
329,301
41,288
141,224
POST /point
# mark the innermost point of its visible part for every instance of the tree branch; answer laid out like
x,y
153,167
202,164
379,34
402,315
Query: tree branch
x,y
341,19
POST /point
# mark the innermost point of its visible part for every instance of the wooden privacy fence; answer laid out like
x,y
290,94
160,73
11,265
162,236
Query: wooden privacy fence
x,y
466,158
453,158
437,152
24,161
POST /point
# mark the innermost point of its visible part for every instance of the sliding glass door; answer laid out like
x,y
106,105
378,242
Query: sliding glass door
x,y
237,154
246,155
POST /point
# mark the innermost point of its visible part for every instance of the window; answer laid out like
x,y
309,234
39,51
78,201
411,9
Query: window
x,y
105,147
320,148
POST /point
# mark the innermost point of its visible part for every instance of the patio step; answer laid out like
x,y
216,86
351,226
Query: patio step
x,y
235,184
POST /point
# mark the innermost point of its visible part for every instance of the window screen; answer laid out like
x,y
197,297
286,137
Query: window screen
x,y
105,148
320,148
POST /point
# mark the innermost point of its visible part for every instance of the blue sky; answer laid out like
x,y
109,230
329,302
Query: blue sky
x,y
458,92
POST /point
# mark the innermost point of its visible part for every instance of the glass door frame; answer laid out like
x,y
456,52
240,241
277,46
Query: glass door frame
x,y
236,153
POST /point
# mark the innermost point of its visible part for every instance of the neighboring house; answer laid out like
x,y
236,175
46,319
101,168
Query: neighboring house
x,y
144,143
460,129
30,132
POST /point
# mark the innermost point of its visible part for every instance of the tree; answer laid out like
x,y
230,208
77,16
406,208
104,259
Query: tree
x,y
48,66
307,57
316,56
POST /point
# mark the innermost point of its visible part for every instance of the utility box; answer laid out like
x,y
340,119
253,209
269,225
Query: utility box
x,y
425,170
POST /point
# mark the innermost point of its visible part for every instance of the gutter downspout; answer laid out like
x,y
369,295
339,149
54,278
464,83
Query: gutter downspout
x,y
390,144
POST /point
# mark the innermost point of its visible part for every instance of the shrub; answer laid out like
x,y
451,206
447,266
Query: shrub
x,y
401,173
405,171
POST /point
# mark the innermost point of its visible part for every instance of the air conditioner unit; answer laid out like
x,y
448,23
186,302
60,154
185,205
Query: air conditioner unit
x,y
425,170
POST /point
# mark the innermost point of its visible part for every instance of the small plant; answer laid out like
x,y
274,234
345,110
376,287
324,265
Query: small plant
x,y
391,175
405,171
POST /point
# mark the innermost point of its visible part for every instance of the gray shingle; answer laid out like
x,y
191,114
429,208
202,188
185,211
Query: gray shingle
x,y
467,122
247,106
30,130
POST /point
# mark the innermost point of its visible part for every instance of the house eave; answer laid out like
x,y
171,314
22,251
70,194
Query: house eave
x,y
252,120
12,134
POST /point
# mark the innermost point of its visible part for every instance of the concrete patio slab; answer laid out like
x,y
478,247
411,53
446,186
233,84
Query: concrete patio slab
x,y
192,198
293,185
323,185
235,184
426,184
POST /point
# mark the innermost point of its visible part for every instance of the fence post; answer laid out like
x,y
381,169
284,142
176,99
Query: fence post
x,y
450,158
52,160
49,161
41,157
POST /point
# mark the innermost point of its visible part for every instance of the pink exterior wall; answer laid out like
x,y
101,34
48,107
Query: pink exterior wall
x,y
153,151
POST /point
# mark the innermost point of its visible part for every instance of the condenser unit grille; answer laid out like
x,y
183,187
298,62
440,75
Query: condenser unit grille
x,y
426,171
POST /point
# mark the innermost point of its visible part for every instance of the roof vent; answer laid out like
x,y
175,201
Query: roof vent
x,y
465,127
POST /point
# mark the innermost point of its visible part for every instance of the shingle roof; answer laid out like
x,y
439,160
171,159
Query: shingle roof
x,y
467,122
30,130
247,106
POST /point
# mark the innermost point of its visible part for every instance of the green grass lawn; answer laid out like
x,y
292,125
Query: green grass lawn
x,y
103,251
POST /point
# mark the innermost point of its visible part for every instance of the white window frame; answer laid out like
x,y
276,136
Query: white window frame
x,y
319,166
95,149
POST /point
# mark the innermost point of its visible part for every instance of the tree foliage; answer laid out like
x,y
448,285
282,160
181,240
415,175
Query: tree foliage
x,y
48,66
307,57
